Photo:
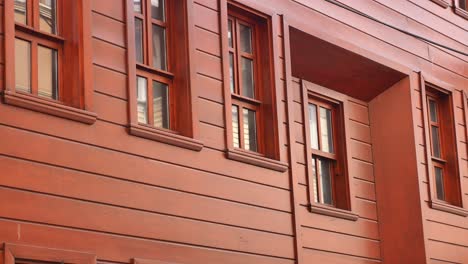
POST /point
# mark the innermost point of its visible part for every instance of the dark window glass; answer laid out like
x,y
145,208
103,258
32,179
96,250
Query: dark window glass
x,y
231,71
47,75
463,4
313,126
235,126
21,12
160,105
142,100
250,130
48,16
439,175
157,10
246,38
324,166
248,85
139,40
23,65
159,47
436,152
230,37
315,181
433,111
326,129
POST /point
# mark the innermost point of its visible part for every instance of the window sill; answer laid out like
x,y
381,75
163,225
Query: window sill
x,y
49,107
165,137
260,161
448,208
332,211
442,3
461,12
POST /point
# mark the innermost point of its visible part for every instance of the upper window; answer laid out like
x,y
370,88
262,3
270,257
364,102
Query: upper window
x,y
442,146
250,88
160,74
243,78
463,4
154,79
44,35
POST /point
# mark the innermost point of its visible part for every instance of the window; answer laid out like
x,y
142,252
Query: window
x,y
463,4
249,88
160,75
443,151
461,8
22,254
44,35
329,191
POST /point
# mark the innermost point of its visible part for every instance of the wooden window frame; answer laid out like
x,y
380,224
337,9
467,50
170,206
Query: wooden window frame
x,y
315,93
460,11
180,77
75,102
14,252
457,205
266,84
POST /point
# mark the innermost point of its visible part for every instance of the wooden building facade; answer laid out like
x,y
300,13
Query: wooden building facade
x,y
233,131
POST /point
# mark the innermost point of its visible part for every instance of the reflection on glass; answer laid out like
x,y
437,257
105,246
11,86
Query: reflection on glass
x,y
230,37
157,9
246,39
439,175
160,105
250,130
48,16
248,85
313,126
433,111
137,6
315,181
139,40
436,151
23,65
326,129
142,100
235,126
231,71
326,195
21,12
159,47
47,72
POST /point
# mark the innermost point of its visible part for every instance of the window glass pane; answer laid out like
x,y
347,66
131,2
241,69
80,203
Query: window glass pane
x,y
159,47
246,38
313,126
231,71
436,142
326,129
250,130
230,37
139,40
142,100
433,111
248,85
48,16
439,175
47,72
21,11
23,65
137,6
315,180
463,4
157,9
235,126
160,105
326,195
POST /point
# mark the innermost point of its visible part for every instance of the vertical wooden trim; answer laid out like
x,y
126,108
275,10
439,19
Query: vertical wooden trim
x,y
276,83
193,92
86,56
131,64
223,18
294,182
465,108
9,46
346,157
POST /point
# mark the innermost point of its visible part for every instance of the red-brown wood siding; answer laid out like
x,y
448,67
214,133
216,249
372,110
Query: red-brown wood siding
x,y
95,188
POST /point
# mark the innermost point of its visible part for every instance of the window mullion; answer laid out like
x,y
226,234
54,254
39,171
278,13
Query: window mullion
x,y
148,32
149,94
319,128
319,179
238,57
36,14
